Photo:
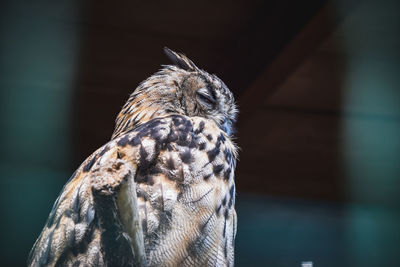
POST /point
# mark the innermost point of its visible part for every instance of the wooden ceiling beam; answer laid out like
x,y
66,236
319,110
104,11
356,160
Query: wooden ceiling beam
x,y
270,26
322,24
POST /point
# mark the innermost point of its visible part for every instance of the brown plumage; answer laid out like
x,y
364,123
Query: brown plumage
x,y
161,192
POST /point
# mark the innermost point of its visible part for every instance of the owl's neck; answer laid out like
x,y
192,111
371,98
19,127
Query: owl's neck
x,y
135,114
154,97
143,108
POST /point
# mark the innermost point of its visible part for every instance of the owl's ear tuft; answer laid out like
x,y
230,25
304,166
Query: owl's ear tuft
x,y
180,60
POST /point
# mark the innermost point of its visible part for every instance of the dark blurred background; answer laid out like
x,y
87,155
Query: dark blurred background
x,y
317,82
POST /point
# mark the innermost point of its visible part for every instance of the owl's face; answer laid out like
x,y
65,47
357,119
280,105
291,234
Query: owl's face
x,y
183,89
207,96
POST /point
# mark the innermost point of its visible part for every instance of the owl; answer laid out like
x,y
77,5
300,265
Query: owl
x,y
162,191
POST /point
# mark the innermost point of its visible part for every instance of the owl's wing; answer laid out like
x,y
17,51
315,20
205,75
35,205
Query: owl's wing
x,y
186,192
183,171
86,226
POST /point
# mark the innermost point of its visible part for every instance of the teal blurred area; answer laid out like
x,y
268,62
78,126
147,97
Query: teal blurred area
x,y
27,195
319,173
38,56
371,143
286,232
37,75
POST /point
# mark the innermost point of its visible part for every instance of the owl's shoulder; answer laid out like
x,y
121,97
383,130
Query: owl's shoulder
x,y
177,141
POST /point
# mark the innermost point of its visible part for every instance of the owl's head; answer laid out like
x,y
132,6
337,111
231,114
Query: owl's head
x,y
182,89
